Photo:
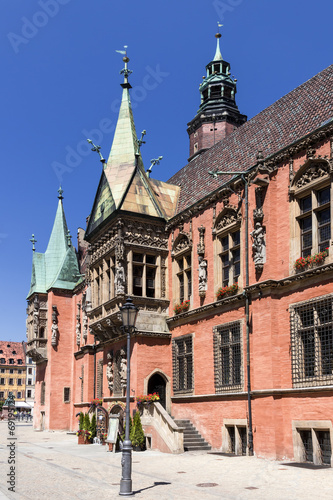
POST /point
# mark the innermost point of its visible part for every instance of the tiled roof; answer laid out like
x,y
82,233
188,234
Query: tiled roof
x,y
8,347
293,116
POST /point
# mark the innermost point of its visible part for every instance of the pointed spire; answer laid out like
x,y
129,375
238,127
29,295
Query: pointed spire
x,y
218,55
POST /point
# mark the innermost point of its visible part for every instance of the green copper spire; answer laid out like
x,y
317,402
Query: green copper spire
x,y
218,55
58,266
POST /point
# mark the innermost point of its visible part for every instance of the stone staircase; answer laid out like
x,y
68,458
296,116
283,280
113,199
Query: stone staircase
x,y
192,439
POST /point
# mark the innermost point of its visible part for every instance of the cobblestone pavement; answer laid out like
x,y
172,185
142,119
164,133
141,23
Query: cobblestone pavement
x,y
51,465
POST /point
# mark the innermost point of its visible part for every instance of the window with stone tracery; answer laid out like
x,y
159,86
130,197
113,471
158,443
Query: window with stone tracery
x,y
144,269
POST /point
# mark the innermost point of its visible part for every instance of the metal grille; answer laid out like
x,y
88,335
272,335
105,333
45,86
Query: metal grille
x,y
183,364
243,438
312,343
228,357
306,438
324,442
100,379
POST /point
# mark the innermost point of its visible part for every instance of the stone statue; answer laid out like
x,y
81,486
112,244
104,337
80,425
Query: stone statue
x,y
109,375
54,333
85,326
202,274
123,369
36,317
119,280
258,245
78,333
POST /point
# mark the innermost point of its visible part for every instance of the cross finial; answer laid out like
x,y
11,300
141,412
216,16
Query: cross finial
x,y
96,148
33,241
141,141
60,191
69,241
154,161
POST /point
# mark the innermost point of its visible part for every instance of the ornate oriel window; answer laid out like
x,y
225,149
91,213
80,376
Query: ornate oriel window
x,y
182,351
182,266
228,357
311,191
144,267
227,233
312,342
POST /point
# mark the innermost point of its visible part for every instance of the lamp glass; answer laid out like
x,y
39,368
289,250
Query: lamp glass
x,y
129,313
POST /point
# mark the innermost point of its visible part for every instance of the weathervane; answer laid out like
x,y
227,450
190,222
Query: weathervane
x,y
154,161
33,241
126,72
96,148
141,141
219,25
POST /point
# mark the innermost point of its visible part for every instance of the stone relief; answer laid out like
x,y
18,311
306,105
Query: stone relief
x,y
258,246
54,327
109,370
119,279
202,274
315,171
123,368
78,326
85,326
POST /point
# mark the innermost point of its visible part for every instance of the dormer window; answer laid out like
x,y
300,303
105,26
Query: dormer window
x,y
14,352
2,361
11,361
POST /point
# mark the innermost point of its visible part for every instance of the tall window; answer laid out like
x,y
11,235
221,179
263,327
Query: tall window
x,y
42,393
67,394
230,257
98,280
315,221
110,271
144,275
312,342
184,276
228,357
183,364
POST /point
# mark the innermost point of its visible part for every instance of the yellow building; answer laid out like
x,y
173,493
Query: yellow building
x,y
12,370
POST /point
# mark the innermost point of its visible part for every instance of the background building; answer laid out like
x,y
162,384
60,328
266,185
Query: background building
x,y
230,264
12,370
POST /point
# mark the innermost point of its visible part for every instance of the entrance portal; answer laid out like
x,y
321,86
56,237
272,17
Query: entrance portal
x,y
157,384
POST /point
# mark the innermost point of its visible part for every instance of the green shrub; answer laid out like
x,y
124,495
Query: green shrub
x,y
93,426
137,435
86,422
81,421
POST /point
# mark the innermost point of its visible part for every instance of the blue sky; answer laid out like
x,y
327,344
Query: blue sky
x,y
60,84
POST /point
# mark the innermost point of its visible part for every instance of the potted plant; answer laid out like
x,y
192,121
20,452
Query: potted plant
x,y
92,427
227,291
303,263
182,307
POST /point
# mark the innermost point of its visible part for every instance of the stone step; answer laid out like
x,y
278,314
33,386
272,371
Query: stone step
x,y
193,441
197,448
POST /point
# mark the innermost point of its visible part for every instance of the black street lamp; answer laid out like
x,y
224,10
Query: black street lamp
x,y
129,314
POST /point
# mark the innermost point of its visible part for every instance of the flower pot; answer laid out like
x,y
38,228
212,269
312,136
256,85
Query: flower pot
x,y
81,439
110,446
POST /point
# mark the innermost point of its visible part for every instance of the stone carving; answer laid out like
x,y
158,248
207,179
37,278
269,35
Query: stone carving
x,y
226,218
123,368
54,327
202,274
109,370
78,326
201,244
258,246
315,171
182,244
119,279
85,326
36,316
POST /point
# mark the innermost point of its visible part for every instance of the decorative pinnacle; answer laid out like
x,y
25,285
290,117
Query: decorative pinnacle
x,y
33,241
140,141
60,191
218,55
69,238
96,148
154,161
125,71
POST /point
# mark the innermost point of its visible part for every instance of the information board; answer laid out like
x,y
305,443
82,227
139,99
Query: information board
x,y
113,429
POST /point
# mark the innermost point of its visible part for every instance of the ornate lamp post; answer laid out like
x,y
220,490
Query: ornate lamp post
x,y
129,313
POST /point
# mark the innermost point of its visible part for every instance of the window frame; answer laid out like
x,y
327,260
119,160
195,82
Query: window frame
x,y
308,367
230,353
187,356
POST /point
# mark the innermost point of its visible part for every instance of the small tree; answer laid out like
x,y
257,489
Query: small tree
x,y
93,426
137,435
81,419
86,422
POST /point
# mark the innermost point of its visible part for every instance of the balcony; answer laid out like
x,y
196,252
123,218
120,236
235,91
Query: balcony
x,y
36,350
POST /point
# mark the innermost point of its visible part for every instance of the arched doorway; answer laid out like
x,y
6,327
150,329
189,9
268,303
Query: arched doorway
x,y
157,384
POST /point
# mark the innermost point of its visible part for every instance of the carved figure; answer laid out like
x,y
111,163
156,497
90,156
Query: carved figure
x,y
123,369
258,245
78,333
202,275
36,316
54,333
109,375
119,280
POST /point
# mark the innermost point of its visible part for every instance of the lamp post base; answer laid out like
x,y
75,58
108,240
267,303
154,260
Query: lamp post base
x,y
126,487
